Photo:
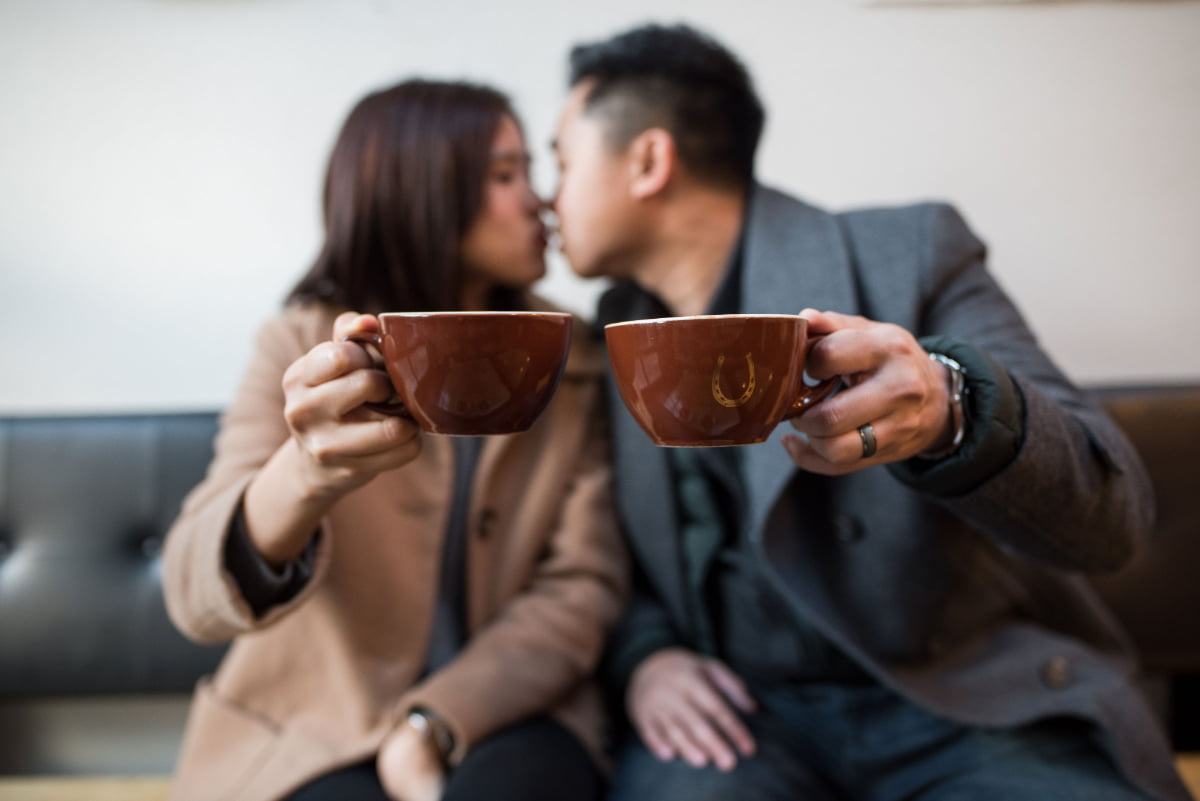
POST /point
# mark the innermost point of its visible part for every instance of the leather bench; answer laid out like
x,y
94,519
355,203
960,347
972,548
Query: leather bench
x,y
1157,596
94,680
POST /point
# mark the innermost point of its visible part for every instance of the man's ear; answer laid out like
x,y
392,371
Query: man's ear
x,y
652,162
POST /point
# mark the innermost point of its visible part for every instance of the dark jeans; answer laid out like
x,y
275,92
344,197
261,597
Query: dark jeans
x,y
861,742
537,760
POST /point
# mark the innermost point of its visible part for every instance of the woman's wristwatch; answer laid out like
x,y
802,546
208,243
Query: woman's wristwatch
x,y
434,730
958,387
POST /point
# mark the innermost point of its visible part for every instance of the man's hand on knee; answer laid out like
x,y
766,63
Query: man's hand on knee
x,y
686,705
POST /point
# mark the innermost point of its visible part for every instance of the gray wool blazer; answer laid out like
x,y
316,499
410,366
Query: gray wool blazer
x,y
968,600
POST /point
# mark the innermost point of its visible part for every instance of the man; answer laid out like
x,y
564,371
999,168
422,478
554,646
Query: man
x,y
890,604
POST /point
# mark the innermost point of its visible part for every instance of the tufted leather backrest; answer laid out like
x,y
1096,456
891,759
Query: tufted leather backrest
x,y
84,505
85,502
1157,596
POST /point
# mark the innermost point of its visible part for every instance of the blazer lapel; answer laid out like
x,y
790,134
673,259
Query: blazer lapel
x,y
795,257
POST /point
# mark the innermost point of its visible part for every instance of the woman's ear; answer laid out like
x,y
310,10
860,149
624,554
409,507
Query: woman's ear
x,y
652,162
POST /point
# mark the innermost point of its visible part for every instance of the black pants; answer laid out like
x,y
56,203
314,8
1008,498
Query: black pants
x,y
537,760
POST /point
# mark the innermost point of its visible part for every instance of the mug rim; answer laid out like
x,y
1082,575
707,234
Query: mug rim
x,y
549,314
665,320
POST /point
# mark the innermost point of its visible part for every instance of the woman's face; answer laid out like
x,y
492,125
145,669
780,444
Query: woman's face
x,y
506,243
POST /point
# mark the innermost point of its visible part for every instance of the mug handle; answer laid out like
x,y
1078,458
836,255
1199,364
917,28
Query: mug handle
x,y
810,395
396,409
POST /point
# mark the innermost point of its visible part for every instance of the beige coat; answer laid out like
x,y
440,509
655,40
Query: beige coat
x,y
318,682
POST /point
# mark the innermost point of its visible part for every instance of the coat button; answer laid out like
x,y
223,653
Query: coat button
x,y
487,519
848,529
1057,674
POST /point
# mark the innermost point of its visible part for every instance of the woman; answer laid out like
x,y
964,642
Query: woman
x,y
331,543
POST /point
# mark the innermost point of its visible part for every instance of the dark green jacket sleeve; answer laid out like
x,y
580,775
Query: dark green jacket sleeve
x,y
995,425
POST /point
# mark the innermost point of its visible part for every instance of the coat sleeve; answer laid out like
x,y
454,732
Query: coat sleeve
x,y
1065,486
202,596
548,638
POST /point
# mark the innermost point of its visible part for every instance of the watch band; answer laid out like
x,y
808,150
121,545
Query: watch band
x,y
434,729
958,387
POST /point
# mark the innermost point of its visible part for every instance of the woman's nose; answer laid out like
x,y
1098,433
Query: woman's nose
x,y
534,202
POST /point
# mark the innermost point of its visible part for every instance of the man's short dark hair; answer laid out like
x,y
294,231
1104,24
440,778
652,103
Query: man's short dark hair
x,y
683,81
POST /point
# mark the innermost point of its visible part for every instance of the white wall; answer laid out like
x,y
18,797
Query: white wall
x,y
160,159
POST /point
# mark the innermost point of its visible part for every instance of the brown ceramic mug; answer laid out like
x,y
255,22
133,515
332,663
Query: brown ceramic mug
x,y
725,379
471,373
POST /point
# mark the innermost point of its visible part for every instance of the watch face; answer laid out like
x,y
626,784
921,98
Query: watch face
x,y
956,374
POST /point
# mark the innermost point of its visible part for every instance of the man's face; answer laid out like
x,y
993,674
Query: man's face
x,y
598,219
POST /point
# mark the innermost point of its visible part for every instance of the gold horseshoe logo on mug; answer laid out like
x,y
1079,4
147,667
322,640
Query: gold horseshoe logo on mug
x,y
724,399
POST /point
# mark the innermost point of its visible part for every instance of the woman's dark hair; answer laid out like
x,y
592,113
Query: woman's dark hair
x,y
684,81
404,182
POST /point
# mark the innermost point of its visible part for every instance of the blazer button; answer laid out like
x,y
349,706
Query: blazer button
x,y
487,519
1057,673
848,529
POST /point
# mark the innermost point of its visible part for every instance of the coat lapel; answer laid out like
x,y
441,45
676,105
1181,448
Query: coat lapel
x,y
643,477
647,497
795,257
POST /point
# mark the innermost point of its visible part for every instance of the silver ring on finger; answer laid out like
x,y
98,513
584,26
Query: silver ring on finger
x,y
867,434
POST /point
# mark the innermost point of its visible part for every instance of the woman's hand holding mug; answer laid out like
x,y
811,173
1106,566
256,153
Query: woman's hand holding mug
x,y
344,444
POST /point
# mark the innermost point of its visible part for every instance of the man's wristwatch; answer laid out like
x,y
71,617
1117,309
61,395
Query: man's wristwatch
x,y
958,387
434,730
